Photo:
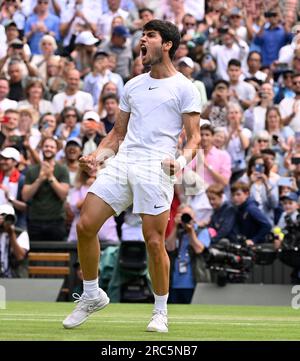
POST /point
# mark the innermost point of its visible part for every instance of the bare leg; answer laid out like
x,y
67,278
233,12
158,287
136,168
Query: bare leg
x,y
94,213
154,228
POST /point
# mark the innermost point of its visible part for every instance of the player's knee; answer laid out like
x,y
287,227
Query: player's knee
x,y
84,228
155,246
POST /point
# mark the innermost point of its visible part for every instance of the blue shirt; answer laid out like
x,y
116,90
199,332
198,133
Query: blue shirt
x,y
52,24
186,280
270,41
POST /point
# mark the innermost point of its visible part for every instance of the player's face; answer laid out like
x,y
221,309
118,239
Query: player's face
x,y
151,47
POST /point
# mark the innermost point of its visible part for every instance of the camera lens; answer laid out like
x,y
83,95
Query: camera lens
x,y
9,218
186,218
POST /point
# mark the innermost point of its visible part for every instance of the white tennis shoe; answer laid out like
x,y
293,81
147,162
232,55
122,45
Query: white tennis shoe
x,y
159,322
84,308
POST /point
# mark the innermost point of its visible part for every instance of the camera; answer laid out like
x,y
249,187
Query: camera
x,y
289,253
17,46
8,219
223,30
229,262
269,14
186,218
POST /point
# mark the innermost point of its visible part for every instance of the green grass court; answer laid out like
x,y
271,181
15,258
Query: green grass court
x,y
42,321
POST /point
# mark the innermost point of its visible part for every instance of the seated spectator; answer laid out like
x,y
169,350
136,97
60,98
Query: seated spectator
x,y
72,96
251,223
238,141
48,48
255,116
239,90
16,83
34,92
220,138
285,88
92,132
223,217
185,245
262,189
14,248
290,207
111,107
72,152
216,109
254,65
70,124
108,88
45,190
5,103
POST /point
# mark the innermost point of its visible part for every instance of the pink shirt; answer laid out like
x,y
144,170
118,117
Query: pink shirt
x,y
219,161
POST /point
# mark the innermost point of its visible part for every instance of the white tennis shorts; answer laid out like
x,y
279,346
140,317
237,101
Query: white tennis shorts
x,y
141,183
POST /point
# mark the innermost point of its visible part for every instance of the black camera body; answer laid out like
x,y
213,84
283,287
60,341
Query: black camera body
x,y
229,262
289,253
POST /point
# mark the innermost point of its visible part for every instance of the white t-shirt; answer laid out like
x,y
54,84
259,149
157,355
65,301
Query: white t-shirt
x,y
82,101
156,107
286,109
7,104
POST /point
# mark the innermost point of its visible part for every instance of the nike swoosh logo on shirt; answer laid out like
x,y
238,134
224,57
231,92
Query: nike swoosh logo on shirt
x,y
151,88
157,206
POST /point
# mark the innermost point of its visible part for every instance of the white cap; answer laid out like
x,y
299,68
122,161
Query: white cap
x,y
12,153
187,61
7,209
86,38
91,115
204,122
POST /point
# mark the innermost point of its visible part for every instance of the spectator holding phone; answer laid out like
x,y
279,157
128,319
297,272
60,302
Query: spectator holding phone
x,y
262,189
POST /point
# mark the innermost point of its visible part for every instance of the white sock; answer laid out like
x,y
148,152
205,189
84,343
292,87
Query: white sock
x,y
160,302
91,288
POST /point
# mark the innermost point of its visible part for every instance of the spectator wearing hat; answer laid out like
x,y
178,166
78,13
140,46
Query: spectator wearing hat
x,y
16,52
12,32
45,191
78,16
93,132
111,106
72,96
235,22
186,67
120,45
14,247
105,21
100,75
40,23
85,48
34,92
5,103
72,152
291,208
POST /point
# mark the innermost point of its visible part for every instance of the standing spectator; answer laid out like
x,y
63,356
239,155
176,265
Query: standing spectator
x,y
45,190
240,90
39,24
290,107
93,132
72,96
100,75
231,48
251,222
5,103
285,88
120,45
272,37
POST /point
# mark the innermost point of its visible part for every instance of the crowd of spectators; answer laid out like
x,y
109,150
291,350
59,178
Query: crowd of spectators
x,y
63,66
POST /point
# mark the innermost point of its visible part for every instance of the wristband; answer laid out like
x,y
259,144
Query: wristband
x,y
182,161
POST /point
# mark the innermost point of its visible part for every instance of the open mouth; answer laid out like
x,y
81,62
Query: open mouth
x,y
143,50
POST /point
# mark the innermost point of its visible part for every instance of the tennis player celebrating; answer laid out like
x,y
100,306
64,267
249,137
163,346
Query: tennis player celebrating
x,y
154,107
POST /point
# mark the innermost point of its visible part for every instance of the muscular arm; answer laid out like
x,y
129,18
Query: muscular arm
x,y
110,144
192,130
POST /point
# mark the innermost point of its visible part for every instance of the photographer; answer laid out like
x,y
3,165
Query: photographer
x,y
13,248
185,245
